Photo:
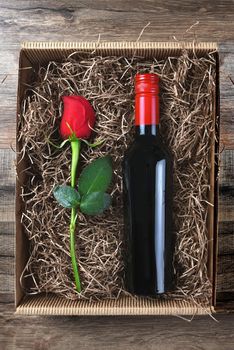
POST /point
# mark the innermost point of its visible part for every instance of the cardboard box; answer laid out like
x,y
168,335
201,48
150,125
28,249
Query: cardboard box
x,y
34,53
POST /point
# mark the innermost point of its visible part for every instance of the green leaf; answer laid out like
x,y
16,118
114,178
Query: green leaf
x,y
95,203
96,177
67,196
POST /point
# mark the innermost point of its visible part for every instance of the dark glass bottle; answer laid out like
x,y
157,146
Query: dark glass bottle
x,y
147,174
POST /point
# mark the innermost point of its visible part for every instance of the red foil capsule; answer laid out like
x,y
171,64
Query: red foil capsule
x,y
146,99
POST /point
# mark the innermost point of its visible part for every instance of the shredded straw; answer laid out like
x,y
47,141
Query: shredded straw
x,y
187,103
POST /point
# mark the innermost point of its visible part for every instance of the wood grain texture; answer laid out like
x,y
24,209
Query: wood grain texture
x,y
226,75
111,333
112,20
225,274
225,268
7,226
226,243
119,20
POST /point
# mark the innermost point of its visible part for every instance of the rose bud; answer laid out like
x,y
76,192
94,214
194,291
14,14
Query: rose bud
x,y
78,117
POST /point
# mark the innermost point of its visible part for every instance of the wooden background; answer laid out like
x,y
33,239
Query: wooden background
x,y
114,20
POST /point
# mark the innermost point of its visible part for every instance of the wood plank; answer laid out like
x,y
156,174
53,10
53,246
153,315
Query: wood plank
x,y
225,277
7,244
6,267
226,238
7,167
226,76
226,205
85,20
226,244
7,284
225,273
227,301
7,208
226,227
7,188
7,225
226,169
69,20
8,91
6,297
110,333
76,20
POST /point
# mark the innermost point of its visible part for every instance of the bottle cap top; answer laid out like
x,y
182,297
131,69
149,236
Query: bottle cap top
x,y
147,83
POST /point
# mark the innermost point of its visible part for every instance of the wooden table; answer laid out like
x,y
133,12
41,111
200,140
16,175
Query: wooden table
x,y
114,20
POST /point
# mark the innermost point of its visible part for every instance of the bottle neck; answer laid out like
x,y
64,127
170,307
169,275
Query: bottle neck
x,y
147,112
147,130
146,104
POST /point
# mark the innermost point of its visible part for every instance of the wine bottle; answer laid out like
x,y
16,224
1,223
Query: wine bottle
x,y
147,180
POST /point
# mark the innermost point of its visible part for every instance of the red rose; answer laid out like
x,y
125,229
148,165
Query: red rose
x,y
78,117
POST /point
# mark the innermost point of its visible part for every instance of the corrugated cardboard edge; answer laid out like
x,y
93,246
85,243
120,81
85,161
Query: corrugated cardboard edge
x,y
53,305
120,45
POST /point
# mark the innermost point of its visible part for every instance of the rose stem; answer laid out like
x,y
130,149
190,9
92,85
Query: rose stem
x,y
75,147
